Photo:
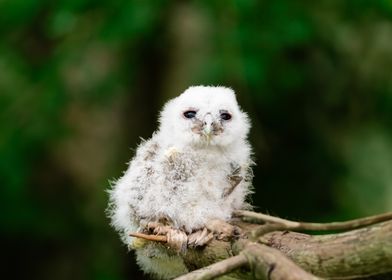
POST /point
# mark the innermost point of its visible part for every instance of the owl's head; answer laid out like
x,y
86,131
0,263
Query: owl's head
x,y
204,115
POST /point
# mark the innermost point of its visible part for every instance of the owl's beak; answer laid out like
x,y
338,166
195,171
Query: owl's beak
x,y
208,125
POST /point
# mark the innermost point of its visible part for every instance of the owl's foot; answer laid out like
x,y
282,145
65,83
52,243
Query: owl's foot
x,y
200,238
176,239
179,240
219,229
222,230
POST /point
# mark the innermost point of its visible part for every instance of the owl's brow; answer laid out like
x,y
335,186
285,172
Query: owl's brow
x,y
191,108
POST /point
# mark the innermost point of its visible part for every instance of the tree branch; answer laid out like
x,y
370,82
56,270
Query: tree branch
x,y
355,254
268,263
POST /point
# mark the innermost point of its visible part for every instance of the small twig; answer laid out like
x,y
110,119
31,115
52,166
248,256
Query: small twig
x,y
151,237
216,269
266,228
292,225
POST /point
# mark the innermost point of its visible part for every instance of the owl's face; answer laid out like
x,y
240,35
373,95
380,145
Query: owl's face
x,y
204,116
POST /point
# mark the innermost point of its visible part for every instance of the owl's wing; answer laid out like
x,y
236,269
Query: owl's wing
x,y
127,193
234,178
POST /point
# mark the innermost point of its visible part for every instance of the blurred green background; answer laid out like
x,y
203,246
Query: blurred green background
x,y
82,80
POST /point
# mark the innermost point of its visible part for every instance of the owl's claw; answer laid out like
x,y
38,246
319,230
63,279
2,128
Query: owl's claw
x,y
179,240
219,229
200,238
222,230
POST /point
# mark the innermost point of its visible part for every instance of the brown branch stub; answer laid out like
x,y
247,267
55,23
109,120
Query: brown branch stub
x,y
150,237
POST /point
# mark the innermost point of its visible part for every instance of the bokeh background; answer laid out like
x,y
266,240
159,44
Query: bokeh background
x,y
82,80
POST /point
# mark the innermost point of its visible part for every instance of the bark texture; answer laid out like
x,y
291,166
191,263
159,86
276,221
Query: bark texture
x,y
364,253
357,253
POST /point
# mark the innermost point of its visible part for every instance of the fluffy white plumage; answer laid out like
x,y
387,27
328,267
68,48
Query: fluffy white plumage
x,y
194,169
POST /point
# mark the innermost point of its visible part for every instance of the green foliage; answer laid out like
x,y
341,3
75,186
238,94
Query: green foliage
x,y
81,80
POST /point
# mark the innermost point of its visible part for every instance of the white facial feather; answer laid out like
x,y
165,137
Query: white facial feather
x,y
195,168
204,100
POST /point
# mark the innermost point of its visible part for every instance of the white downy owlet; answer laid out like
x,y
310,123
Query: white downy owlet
x,y
194,170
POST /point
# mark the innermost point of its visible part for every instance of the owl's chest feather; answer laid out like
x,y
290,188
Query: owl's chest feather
x,y
188,184
194,171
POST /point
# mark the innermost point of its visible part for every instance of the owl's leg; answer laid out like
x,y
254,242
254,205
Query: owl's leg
x,y
177,240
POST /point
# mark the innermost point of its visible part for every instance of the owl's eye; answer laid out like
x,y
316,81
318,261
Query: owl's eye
x,y
225,116
189,114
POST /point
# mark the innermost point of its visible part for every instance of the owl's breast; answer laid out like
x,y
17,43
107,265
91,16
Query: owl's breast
x,y
195,172
190,191
187,188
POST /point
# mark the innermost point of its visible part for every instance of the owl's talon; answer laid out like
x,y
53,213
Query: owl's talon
x,y
200,238
222,230
205,240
